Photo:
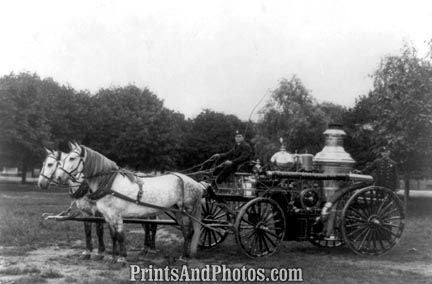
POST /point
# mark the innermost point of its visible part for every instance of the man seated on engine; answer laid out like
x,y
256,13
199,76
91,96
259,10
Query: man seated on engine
x,y
240,153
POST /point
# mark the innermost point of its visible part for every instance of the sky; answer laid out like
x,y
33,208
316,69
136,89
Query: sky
x,y
221,55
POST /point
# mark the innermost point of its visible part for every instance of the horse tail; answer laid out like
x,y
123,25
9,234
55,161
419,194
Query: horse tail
x,y
196,225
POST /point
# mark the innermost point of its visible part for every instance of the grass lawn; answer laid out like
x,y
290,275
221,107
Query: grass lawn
x,y
23,231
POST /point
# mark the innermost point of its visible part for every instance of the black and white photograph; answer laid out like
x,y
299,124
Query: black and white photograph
x,y
215,141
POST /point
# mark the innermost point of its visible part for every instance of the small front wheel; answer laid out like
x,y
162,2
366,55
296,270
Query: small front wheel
x,y
213,215
260,227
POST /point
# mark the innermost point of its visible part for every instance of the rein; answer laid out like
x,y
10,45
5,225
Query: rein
x,y
196,166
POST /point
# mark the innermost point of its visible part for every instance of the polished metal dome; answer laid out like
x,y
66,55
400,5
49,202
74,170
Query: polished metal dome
x,y
283,159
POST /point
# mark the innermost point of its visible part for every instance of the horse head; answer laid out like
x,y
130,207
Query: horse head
x,y
71,166
49,167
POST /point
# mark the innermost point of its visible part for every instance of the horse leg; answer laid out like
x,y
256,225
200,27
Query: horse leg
x,y
146,239
151,229
184,222
100,234
196,212
114,242
150,237
89,247
120,236
101,244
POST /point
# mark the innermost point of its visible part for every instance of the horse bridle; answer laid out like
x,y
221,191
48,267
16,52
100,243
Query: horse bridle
x,y
57,159
74,172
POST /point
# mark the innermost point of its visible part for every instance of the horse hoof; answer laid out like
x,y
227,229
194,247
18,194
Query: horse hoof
x,y
152,251
109,259
122,261
183,259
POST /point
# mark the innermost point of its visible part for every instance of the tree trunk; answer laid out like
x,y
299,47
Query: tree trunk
x,y
24,171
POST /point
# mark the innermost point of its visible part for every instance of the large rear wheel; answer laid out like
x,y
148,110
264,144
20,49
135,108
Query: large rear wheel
x,y
372,221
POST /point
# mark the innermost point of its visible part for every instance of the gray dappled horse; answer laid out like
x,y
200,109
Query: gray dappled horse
x,y
77,191
119,194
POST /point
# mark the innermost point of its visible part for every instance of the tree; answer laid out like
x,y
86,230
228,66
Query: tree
x,y
401,109
210,133
24,123
294,115
360,134
37,112
132,127
396,113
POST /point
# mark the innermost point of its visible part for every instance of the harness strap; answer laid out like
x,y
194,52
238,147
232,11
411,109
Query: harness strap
x,y
182,187
140,190
166,210
138,202
82,190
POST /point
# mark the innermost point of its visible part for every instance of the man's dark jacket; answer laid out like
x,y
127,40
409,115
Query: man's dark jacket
x,y
385,172
239,154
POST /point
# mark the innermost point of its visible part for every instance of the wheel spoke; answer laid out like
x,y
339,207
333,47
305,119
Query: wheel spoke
x,y
357,213
389,213
386,208
364,239
355,219
244,220
217,211
220,216
382,204
355,224
259,205
355,231
260,244
213,233
247,233
393,218
257,225
266,213
384,236
271,233
391,225
247,226
209,238
364,231
265,242
269,239
381,242
389,231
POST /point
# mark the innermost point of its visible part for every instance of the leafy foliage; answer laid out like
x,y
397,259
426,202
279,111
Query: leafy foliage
x,y
24,123
209,133
132,127
294,115
398,111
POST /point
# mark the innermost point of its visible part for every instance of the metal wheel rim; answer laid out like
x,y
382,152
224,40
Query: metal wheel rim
x,y
375,227
260,227
326,243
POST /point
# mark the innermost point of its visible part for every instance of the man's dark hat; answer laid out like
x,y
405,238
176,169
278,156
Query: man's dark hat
x,y
238,133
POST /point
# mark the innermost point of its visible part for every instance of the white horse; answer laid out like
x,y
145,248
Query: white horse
x,y
77,190
119,194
